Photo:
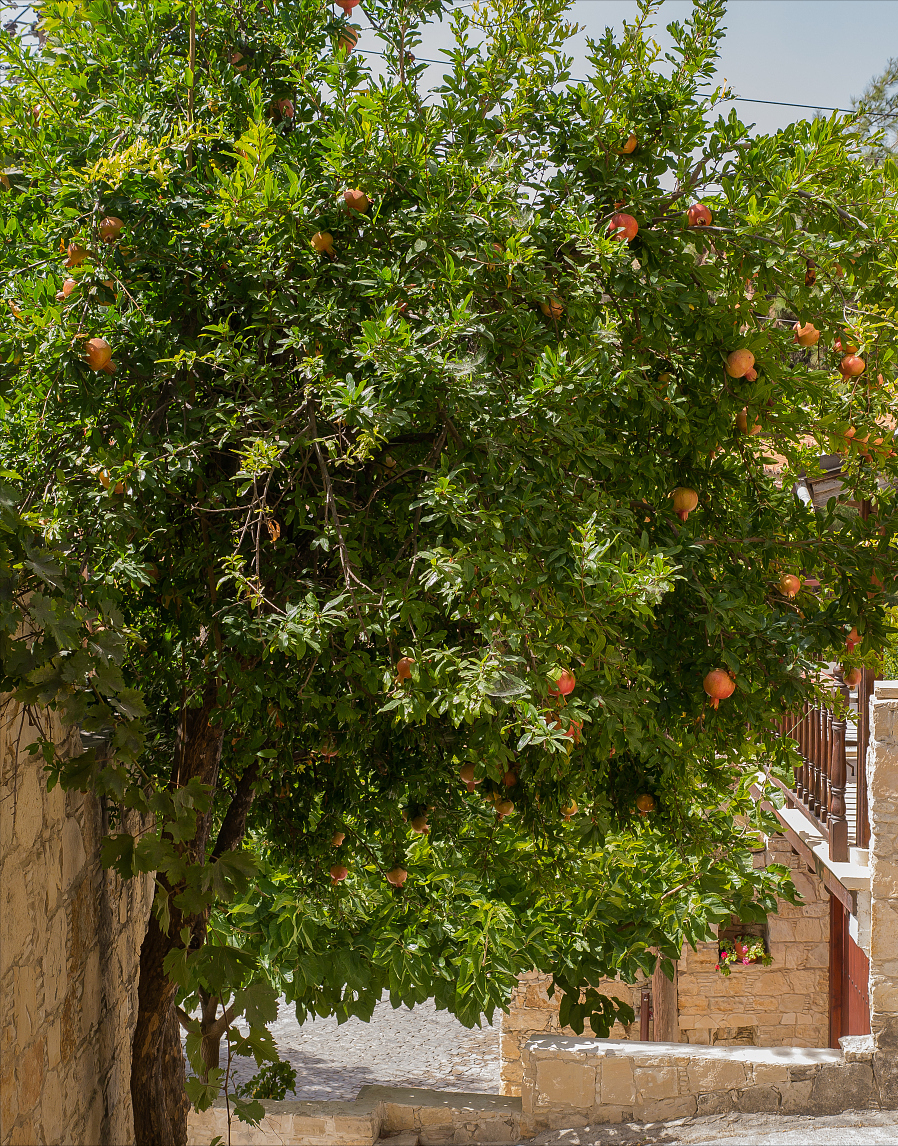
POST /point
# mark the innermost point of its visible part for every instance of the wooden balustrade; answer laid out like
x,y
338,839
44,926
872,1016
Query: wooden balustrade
x,y
822,776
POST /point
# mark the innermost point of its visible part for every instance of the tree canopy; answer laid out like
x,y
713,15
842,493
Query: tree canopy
x,y
397,465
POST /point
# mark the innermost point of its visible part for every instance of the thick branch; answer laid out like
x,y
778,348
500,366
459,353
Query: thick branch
x,y
233,826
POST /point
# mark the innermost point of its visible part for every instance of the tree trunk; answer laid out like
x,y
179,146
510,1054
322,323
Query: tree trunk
x,y
665,1006
157,1064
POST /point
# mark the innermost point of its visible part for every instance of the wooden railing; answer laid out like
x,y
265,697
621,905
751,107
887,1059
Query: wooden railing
x,y
822,778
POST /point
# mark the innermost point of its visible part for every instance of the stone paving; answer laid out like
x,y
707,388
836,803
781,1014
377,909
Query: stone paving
x,y
864,1128
421,1047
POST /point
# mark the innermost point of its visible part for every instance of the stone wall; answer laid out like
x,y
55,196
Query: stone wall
x,y
785,1004
405,1116
882,779
531,1011
569,1083
70,937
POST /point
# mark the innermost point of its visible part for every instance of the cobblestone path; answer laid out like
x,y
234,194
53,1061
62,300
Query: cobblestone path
x,y
419,1047
864,1128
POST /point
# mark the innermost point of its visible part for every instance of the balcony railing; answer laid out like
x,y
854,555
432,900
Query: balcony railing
x,y
830,786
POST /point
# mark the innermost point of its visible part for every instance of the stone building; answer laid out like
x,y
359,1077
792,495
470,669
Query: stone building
x,y
70,935
816,988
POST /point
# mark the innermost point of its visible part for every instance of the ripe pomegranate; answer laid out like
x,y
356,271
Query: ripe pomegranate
x,y
98,352
349,37
337,838
67,287
569,809
404,668
789,584
738,362
554,308
347,5
844,347
104,479
285,108
851,366
565,684
718,685
630,146
685,501
623,227
852,639
806,335
852,677
698,215
742,423
397,876
466,773
420,825
645,803
504,807
323,242
356,200
510,779
76,255
339,872
110,228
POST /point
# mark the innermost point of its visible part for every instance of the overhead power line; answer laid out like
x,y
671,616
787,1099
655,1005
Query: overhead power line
x,y
727,99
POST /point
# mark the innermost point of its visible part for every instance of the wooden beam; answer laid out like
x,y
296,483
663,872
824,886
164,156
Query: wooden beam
x,y
838,928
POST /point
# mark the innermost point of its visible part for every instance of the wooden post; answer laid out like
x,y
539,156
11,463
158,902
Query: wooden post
x,y
864,692
837,929
665,1007
645,1014
838,824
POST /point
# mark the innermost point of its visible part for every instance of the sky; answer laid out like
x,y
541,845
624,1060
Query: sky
x,y
817,52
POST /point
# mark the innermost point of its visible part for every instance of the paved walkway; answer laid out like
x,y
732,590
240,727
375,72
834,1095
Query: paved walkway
x,y
419,1047
864,1127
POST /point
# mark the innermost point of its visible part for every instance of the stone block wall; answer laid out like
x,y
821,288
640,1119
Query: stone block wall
x,y
569,1083
533,1012
785,1004
70,936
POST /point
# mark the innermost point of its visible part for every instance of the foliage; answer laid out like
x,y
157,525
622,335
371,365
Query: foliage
x,y
453,440
274,1081
877,111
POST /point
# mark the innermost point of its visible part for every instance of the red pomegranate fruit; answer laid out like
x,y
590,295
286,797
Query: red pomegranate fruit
x,y
718,685
739,362
565,684
623,227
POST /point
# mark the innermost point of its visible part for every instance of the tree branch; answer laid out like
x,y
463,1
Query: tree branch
x,y
233,826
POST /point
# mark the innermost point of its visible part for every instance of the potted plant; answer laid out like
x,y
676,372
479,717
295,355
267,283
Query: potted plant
x,y
744,949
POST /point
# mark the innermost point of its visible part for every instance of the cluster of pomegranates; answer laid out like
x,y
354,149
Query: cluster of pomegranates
x,y
355,200
339,871
97,351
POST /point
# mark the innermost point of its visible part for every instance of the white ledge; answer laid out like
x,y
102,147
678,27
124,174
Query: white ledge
x,y
625,1048
852,876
